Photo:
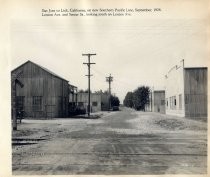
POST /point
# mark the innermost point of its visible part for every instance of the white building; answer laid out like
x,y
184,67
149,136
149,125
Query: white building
x,y
186,92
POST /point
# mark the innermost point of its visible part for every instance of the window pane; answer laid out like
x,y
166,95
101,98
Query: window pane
x,y
180,101
94,103
37,103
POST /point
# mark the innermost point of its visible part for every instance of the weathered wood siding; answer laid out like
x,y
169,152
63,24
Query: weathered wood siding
x,y
38,82
195,92
102,100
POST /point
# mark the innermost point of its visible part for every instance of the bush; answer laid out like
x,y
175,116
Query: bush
x,y
80,110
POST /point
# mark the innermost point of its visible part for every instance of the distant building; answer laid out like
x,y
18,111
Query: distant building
x,y
156,101
44,95
98,101
186,92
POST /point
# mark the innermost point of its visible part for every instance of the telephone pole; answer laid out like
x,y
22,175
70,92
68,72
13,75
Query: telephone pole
x,y
15,81
109,80
89,75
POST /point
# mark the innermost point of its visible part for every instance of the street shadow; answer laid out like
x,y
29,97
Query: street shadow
x,y
87,117
25,141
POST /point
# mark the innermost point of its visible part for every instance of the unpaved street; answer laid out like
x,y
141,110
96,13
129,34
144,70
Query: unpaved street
x,y
124,142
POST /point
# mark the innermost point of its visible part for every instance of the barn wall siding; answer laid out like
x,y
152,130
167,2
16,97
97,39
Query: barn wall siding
x,y
38,82
196,92
101,99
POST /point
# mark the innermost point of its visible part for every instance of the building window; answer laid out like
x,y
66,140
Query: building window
x,y
174,102
80,104
95,103
162,102
37,103
180,101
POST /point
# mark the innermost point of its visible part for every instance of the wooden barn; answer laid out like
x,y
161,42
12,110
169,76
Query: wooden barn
x,y
44,95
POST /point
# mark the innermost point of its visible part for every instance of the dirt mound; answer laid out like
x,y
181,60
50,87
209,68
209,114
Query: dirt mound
x,y
171,124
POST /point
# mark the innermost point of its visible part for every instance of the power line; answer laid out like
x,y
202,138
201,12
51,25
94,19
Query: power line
x,y
99,72
125,84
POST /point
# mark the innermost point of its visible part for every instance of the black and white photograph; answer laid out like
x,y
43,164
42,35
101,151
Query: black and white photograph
x,y
104,88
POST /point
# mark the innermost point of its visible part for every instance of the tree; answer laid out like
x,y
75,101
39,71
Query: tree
x,y
128,101
138,98
115,101
81,91
84,91
99,91
141,97
106,92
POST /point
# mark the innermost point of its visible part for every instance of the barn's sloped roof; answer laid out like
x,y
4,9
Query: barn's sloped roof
x,y
45,69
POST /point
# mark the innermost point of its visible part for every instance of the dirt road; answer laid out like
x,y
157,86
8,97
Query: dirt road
x,y
124,142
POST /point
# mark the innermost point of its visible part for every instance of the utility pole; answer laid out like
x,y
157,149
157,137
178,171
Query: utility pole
x,y
109,80
182,62
15,81
89,75
152,90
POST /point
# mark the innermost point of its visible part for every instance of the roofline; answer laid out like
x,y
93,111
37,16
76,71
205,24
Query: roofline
x,y
185,68
20,65
91,93
72,86
196,68
46,70
159,91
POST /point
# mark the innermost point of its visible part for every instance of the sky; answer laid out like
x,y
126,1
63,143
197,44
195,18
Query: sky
x,y
135,51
